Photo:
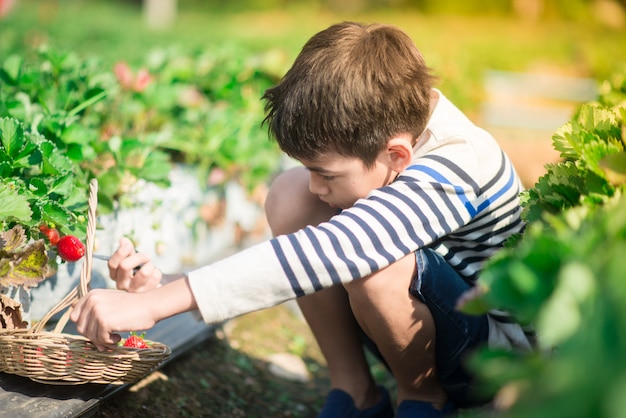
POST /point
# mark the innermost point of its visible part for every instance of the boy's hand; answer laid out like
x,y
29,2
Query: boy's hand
x,y
123,269
103,313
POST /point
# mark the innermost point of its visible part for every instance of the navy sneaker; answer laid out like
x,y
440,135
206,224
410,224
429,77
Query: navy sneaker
x,y
418,409
341,405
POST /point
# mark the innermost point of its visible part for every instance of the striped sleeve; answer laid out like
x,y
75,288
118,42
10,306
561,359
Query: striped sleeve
x,y
427,202
433,203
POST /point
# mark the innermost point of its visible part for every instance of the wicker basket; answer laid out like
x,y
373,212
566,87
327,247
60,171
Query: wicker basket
x,y
57,358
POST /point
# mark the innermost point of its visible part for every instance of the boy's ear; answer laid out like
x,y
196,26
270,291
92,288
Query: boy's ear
x,y
400,152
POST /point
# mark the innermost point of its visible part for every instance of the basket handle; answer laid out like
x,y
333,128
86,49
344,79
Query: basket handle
x,y
85,274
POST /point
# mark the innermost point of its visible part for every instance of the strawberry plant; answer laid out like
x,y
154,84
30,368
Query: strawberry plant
x,y
69,102
126,124
216,97
39,185
41,196
565,275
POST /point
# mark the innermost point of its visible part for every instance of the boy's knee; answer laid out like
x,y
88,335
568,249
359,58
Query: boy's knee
x,y
290,205
282,199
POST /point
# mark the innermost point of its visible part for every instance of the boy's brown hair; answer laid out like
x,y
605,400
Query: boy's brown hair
x,y
351,88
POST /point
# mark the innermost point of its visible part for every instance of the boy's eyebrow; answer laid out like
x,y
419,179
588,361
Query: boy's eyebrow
x,y
320,170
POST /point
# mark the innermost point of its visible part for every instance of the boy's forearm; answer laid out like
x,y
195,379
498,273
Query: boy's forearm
x,y
171,299
169,278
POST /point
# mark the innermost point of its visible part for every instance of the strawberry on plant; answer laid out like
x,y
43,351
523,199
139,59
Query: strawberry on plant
x,y
70,248
136,341
51,233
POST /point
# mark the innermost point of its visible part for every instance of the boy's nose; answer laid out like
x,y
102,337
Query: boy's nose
x,y
317,187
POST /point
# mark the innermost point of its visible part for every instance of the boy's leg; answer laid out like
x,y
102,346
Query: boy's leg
x,y
401,327
289,207
408,310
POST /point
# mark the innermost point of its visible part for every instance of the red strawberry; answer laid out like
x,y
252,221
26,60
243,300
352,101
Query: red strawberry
x,y
136,341
51,233
70,248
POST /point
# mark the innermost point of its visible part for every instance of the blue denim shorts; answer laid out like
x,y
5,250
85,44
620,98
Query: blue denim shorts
x,y
439,286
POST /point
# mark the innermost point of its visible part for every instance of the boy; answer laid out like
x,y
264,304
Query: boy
x,y
399,202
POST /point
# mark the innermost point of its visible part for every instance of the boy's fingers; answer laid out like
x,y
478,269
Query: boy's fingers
x,y
148,277
110,342
88,326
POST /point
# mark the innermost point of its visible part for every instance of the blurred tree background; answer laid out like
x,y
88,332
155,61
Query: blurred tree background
x,y
460,39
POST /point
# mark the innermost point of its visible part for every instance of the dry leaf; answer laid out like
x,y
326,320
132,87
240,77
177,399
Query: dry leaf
x,y
25,267
11,314
12,239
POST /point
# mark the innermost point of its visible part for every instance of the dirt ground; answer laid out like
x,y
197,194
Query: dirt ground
x,y
228,376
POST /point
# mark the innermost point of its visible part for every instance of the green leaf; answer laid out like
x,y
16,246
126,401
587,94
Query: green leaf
x,y
14,206
78,134
99,94
54,162
81,152
62,185
11,136
562,314
615,404
109,183
614,166
156,168
38,186
53,212
11,68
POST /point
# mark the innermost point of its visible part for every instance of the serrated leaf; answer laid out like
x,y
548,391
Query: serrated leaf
x,y
562,142
593,117
53,212
28,156
62,185
473,301
54,162
524,279
14,206
38,187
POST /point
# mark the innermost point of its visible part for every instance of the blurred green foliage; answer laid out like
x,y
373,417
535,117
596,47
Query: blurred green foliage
x,y
565,275
459,39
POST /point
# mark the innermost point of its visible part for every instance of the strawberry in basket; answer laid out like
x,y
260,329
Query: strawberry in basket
x,y
136,341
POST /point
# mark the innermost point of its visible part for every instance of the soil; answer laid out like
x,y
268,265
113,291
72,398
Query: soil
x,y
228,375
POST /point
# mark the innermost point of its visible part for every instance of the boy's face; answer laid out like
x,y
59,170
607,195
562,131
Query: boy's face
x,y
340,181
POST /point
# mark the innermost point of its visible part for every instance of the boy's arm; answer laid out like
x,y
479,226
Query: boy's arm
x,y
103,313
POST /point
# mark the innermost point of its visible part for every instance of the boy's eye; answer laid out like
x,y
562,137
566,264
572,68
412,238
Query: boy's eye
x,y
327,178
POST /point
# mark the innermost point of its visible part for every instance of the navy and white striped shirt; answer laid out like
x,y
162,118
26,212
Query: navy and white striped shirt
x,y
460,196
